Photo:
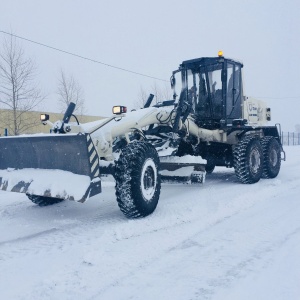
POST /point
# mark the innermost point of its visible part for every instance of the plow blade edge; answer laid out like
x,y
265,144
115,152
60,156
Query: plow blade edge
x,y
57,166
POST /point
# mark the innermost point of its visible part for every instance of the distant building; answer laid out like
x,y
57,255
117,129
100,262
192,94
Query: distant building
x,y
31,121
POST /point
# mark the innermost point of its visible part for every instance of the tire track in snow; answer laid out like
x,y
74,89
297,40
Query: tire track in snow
x,y
81,226
94,231
188,242
28,237
113,234
87,221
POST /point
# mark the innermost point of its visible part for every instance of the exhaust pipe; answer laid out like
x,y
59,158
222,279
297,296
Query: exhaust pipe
x,y
69,112
149,101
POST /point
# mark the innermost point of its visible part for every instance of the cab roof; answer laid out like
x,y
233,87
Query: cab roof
x,y
204,61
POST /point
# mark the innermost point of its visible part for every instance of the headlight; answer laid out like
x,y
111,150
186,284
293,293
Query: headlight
x,y
117,110
44,117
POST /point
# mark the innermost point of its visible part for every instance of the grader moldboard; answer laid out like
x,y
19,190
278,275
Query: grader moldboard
x,y
210,124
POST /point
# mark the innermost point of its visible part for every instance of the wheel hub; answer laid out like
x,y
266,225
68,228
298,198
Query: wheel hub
x,y
254,161
148,179
273,157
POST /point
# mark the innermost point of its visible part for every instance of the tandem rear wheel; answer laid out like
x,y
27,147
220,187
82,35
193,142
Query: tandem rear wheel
x,y
255,158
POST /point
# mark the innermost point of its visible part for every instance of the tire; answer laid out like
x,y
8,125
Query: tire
x,y
272,157
137,180
248,160
43,201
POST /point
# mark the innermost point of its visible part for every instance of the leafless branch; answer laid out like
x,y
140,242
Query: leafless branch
x,y
18,91
160,92
68,91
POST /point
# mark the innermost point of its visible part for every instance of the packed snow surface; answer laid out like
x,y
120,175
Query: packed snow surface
x,y
220,240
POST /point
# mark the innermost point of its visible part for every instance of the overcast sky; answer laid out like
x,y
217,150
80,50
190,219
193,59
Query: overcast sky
x,y
153,38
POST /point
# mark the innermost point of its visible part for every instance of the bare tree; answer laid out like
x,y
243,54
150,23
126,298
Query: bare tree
x,y
142,98
19,93
160,93
68,91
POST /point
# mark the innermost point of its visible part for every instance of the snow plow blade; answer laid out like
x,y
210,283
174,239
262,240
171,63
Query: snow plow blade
x,y
186,169
57,166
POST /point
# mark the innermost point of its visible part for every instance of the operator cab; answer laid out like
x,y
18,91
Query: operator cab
x,y
212,89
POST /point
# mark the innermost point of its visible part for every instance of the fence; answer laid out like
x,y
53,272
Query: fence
x,y
290,138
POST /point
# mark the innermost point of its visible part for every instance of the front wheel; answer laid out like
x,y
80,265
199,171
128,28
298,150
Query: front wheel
x,y
137,180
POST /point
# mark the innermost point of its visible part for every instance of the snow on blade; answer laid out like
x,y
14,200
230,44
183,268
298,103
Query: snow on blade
x,y
61,184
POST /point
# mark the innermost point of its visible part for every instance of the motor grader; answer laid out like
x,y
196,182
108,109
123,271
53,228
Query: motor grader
x,y
210,123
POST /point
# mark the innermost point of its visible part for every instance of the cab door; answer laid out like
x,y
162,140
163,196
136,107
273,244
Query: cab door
x,y
234,92
210,104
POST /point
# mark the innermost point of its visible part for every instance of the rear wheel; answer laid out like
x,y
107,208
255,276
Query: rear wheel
x,y
272,157
137,180
43,201
248,160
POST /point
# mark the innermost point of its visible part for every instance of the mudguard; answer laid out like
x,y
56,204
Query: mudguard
x,y
64,166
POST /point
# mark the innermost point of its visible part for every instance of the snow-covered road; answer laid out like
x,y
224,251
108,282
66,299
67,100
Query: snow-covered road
x,y
221,240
